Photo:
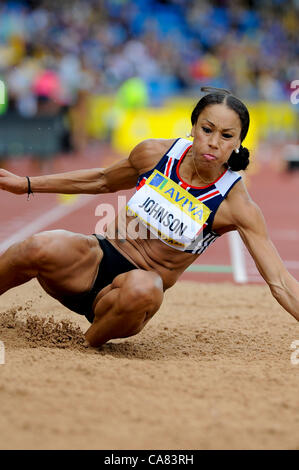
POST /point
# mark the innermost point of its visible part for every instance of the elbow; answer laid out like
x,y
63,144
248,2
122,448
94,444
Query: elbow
x,y
276,291
101,183
286,292
104,189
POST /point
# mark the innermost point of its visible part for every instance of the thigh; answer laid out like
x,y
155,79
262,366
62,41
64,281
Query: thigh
x,y
68,262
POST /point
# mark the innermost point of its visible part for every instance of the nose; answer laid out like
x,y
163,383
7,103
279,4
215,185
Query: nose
x,y
213,141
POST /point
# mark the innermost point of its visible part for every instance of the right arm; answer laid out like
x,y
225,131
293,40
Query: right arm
x,y
248,219
122,175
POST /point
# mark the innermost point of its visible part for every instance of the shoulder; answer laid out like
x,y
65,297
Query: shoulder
x,y
147,153
243,211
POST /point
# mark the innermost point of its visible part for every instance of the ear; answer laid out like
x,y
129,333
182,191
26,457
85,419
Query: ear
x,y
192,131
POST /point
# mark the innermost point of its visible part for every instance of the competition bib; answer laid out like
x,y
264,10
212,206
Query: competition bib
x,y
168,210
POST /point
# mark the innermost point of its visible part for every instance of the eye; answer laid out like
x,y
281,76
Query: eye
x,y
227,136
207,130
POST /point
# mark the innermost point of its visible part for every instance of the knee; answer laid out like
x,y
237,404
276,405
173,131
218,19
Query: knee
x,y
35,249
143,291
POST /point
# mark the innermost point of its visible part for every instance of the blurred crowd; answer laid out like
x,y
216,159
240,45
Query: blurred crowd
x,y
53,53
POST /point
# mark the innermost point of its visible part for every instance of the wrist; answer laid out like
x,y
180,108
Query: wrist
x,y
23,185
29,188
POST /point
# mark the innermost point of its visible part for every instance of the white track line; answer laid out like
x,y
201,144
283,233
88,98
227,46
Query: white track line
x,y
48,218
237,257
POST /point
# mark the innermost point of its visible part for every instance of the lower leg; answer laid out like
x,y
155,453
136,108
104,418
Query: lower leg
x,y
108,323
125,307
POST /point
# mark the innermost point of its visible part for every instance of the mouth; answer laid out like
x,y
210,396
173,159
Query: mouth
x,y
209,156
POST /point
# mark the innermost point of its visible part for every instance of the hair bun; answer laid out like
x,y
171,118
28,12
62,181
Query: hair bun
x,y
211,89
239,161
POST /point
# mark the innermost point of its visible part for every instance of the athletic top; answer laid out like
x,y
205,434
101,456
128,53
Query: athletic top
x,y
179,214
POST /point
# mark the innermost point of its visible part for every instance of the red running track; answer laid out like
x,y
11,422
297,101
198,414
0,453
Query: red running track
x,y
276,193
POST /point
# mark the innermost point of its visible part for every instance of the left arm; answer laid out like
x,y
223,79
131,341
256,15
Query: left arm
x,y
251,226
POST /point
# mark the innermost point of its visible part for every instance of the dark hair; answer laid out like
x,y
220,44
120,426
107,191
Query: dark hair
x,y
237,161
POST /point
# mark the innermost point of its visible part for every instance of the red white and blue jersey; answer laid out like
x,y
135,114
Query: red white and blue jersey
x,y
211,195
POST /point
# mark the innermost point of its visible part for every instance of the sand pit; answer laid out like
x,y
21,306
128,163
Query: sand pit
x,y
212,370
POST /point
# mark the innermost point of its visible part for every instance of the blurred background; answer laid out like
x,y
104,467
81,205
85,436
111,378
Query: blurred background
x,y
81,75
83,81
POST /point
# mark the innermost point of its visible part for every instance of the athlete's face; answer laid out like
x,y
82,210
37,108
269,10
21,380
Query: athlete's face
x,y
216,134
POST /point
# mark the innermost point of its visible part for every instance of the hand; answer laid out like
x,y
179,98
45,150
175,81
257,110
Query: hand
x,y
12,183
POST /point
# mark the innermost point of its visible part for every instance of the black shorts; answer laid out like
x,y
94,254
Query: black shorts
x,y
112,264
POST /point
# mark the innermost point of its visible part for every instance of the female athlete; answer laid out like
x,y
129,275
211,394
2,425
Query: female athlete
x,y
188,194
